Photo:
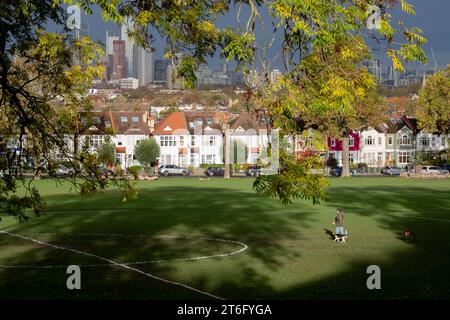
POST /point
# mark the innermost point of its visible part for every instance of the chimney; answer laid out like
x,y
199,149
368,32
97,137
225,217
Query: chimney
x,y
151,123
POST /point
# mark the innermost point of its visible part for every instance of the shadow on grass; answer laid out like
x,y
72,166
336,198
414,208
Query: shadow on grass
x,y
271,231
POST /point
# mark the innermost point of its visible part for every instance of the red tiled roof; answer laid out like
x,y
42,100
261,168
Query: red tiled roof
x,y
175,121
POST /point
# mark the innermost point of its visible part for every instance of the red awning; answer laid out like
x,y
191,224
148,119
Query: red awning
x,y
121,149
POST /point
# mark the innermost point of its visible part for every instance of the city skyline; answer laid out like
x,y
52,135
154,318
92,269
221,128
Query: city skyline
x,y
430,16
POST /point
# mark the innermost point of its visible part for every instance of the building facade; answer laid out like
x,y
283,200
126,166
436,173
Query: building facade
x,y
124,129
118,61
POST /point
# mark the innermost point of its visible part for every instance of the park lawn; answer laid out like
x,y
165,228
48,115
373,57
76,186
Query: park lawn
x,y
289,254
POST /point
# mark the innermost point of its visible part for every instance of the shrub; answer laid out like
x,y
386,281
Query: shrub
x,y
135,171
332,162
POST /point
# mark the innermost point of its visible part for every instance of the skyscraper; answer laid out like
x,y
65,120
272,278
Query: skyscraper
x,y
84,32
129,46
144,66
374,67
110,37
160,74
118,68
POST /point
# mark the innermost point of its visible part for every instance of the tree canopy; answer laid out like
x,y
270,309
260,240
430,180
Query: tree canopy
x,y
433,107
107,153
147,151
44,76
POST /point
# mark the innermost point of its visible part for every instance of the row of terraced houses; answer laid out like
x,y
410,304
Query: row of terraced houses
x,y
195,138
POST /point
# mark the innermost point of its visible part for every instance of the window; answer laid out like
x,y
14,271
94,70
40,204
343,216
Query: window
x,y
424,142
192,141
191,124
119,143
124,119
95,140
390,140
209,141
133,140
404,157
135,119
333,142
96,120
193,158
380,140
208,158
167,141
369,141
108,124
443,141
380,157
369,157
181,141
255,157
405,140
351,142
351,157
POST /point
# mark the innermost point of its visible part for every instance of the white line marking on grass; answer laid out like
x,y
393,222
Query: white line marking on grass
x,y
112,262
219,255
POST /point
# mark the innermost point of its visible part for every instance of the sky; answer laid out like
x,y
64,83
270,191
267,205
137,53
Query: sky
x,y
433,16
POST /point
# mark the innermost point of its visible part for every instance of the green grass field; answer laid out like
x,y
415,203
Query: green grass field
x,y
289,255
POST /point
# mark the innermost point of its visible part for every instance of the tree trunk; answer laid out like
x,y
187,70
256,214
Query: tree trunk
x,y
345,157
227,148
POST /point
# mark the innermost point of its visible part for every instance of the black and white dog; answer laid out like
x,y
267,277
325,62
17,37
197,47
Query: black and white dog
x,y
341,237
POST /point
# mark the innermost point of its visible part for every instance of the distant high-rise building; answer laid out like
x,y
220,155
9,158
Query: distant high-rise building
x,y
129,46
144,64
118,69
393,76
84,32
109,69
160,70
110,37
374,67
274,74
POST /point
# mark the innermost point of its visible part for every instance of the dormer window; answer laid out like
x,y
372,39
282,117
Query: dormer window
x,y
124,119
107,124
191,124
135,119
96,120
